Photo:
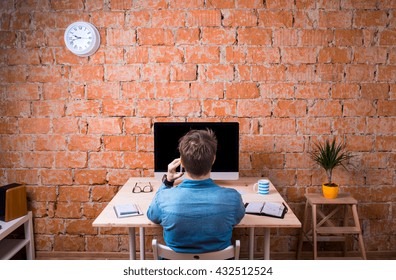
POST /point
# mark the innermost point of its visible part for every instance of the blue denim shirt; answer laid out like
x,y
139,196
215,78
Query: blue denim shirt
x,y
197,216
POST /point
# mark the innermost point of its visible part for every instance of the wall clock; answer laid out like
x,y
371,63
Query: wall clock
x,y
82,38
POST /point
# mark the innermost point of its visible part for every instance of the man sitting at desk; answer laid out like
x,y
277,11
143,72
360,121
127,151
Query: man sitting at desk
x,y
197,215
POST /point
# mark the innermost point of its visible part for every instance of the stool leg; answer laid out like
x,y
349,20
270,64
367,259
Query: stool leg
x,y
345,224
303,231
357,224
315,245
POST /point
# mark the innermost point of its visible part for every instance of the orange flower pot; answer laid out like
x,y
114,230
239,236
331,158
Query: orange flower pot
x,y
330,191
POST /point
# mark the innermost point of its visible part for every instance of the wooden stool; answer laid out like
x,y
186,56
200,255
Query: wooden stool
x,y
331,232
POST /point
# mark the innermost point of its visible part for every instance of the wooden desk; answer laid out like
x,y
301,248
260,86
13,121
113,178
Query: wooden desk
x,y
107,218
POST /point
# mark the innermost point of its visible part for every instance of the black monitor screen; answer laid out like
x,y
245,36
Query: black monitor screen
x,y
166,141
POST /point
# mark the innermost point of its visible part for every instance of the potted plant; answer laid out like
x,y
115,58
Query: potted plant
x,y
329,155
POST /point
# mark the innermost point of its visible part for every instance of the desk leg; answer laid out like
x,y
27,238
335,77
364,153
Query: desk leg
x,y
315,245
267,243
132,244
251,243
142,247
28,226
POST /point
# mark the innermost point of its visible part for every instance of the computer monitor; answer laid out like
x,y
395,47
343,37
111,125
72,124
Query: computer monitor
x,y
166,142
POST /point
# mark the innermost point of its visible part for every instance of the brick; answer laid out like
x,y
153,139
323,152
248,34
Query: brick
x,y
56,177
173,90
90,177
219,36
136,54
219,72
22,92
51,108
187,4
114,73
49,226
103,193
50,142
382,126
258,55
137,125
203,18
334,55
387,37
373,55
116,177
345,91
8,125
257,143
119,143
335,19
117,108
7,75
16,143
65,125
24,176
202,54
74,193
360,143
386,73
374,91
165,54
298,161
103,91
207,90
314,126
242,90
235,54
301,73
290,108
386,108
71,160
78,226
98,243
141,160
270,161
248,4
84,143
167,18
298,55
187,36
278,126
137,18
34,125
238,18
289,144
325,108
348,37
365,18
385,143
145,143
157,71
186,108
271,73
138,90
83,108
107,19
184,72
87,72
219,108
254,36
277,18
121,37
153,108
285,37
355,108
312,91
155,36
332,73
15,108
350,125
105,160
105,125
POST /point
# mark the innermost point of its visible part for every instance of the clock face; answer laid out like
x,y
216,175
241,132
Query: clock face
x,y
82,38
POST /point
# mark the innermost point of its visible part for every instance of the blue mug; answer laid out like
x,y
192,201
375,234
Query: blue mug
x,y
262,186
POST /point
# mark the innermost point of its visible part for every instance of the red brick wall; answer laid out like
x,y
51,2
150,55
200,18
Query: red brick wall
x,y
291,72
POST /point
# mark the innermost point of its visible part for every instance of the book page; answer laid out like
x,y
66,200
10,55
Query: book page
x,y
254,207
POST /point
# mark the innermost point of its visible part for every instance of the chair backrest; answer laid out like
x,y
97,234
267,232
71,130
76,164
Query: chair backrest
x,y
164,252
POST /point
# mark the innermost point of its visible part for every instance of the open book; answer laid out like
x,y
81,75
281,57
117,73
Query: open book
x,y
127,210
272,209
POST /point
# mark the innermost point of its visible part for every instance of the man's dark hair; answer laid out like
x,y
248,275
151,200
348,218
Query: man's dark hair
x,y
197,151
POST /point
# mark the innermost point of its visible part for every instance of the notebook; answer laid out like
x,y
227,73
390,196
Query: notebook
x,y
271,209
127,210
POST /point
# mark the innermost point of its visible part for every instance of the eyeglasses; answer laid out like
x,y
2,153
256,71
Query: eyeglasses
x,y
146,188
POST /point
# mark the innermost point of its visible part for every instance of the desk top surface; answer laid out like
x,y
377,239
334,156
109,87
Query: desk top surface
x,y
108,218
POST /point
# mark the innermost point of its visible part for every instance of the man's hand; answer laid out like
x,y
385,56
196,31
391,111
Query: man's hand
x,y
172,173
